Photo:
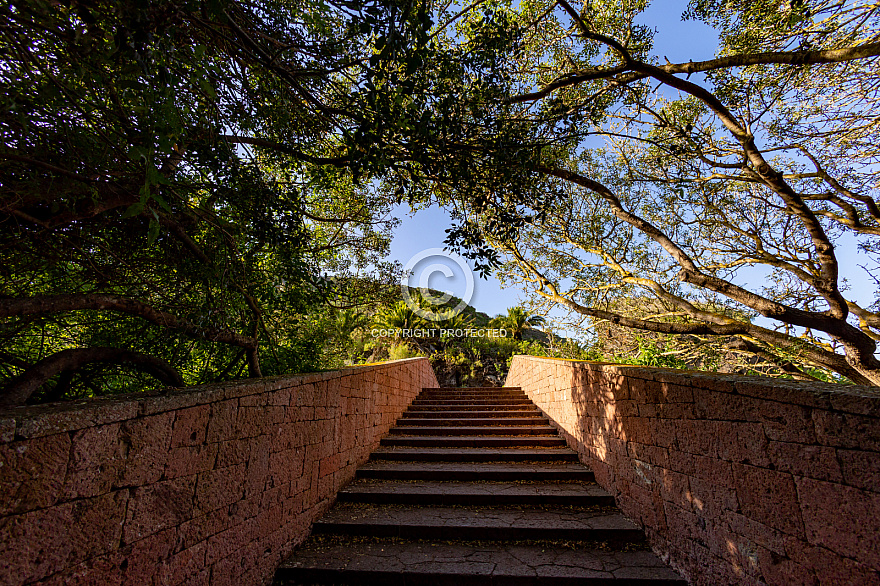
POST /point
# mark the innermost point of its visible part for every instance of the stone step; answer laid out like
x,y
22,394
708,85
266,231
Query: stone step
x,y
434,413
468,389
433,492
485,401
391,563
391,470
449,430
486,408
450,395
474,487
450,398
405,454
474,523
471,421
472,441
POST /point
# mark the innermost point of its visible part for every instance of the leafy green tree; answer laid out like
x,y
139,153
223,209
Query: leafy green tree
x,y
608,172
182,185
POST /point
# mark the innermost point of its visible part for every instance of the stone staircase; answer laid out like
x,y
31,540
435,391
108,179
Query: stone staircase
x,y
474,486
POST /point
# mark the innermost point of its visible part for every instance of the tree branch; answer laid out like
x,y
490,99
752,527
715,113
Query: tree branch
x,y
102,302
20,390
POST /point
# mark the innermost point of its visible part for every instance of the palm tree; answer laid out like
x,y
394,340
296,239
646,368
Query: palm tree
x,y
400,316
349,321
517,320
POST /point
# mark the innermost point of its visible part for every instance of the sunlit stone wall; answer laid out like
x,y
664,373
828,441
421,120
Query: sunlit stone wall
x,y
736,480
208,485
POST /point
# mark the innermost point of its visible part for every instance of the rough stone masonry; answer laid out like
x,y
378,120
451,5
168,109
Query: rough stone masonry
x,y
736,480
210,485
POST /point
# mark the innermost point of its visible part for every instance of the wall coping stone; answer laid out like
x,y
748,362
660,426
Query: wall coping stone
x,y
32,421
855,399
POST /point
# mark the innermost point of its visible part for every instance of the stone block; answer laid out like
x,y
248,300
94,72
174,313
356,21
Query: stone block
x,y
44,542
219,488
756,531
146,441
158,506
203,526
104,570
97,463
846,430
805,460
43,420
812,395
221,426
779,570
699,437
829,567
841,519
190,426
710,499
860,469
770,497
191,460
233,452
857,400
183,566
144,558
742,443
32,473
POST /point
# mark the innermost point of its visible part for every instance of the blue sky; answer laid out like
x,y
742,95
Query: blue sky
x,y
679,41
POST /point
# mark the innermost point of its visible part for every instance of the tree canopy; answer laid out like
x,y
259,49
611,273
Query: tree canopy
x,y
180,180
725,190
185,184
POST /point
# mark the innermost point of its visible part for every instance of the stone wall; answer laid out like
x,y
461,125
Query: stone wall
x,y
736,480
208,485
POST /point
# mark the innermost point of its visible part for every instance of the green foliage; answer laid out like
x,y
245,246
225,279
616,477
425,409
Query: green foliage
x,y
154,154
516,320
399,351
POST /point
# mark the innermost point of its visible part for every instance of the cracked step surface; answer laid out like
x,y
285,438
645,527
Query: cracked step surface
x,y
437,414
486,401
482,474
472,421
471,523
469,389
475,493
464,471
427,454
471,440
536,429
414,408
509,564
460,396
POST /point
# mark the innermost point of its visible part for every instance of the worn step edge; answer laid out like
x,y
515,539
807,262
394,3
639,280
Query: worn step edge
x,y
403,454
497,398
477,533
439,498
472,389
535,429
435,414
481,394
472,421
472,441
351,564
585,475
487,408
